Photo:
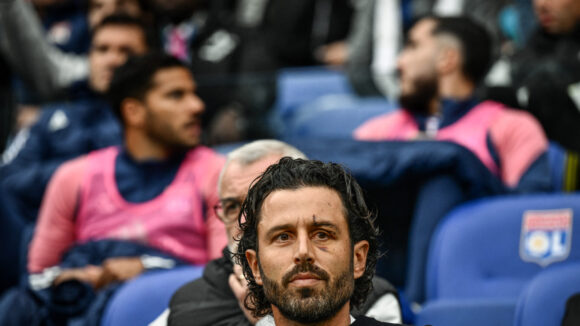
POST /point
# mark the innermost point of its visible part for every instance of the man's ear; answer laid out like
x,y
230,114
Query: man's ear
x,y
361,249
133,112
252,258
449,60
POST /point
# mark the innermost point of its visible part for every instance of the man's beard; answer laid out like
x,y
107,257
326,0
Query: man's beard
x,y
309,305
419,101
164,134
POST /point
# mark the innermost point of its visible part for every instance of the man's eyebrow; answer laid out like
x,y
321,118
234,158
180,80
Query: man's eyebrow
x,y
319,223
327,224
230,199
277,228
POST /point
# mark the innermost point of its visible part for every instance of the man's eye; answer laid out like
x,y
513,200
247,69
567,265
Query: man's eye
x,y
283,237
231,208
321,235
175,95
101,49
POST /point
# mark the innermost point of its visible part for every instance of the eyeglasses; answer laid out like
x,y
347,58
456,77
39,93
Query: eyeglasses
x,y
228,209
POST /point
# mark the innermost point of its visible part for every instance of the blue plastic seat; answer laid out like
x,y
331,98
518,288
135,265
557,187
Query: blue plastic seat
x,y
297,86
544,299
334,116
140,301
485,253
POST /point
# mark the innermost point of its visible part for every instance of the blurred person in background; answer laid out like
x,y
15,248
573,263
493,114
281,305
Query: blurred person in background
x,y
47,44
236,48
546,72
442,63
65,131
113,214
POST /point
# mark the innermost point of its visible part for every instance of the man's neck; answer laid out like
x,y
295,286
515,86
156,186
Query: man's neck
x,y
342,318
456,87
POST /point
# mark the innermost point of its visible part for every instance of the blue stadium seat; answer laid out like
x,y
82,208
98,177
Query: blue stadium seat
x,y
297,86
485,252
544,299
334,115
140,301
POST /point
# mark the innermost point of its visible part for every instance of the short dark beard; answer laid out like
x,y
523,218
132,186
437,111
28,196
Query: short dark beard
x,y
419,101
308,306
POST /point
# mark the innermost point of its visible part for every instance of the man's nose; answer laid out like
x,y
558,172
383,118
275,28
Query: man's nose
x,y
401,61
195,104
116,58
304,252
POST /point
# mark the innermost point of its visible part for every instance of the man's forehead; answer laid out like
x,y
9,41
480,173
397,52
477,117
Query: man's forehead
x,y
422,29
103,33
321,203
165,77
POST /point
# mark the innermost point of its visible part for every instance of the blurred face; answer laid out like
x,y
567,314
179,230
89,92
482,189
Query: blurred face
x,y
234,187
99,9
557,16
173,110
417,67
304,261
111,47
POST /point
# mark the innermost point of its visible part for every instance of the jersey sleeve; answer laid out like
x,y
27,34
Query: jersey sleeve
x,y
55,229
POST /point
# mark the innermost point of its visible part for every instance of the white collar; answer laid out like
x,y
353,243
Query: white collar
x,y
268,320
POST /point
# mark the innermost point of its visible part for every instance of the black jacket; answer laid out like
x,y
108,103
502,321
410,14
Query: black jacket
x,y
210,301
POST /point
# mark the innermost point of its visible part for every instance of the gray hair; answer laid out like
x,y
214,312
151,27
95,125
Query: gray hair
x,y
257,150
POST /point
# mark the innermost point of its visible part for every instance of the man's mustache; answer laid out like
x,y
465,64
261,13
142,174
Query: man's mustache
x,y
305,268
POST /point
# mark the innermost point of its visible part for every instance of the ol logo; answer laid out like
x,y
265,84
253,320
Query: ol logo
x,y
546,236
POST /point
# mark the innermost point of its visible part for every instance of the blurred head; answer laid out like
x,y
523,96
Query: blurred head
x,y
99,9
155,95
437,47
557,16
308,244
243,165
115,39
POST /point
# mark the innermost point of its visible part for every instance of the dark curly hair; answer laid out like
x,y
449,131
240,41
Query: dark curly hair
x,y
294,174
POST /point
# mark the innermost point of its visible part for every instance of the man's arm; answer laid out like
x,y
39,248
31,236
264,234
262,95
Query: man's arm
x,y
43,65
26,173
55,230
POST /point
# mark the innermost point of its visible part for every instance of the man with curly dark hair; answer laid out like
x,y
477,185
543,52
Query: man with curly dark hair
x,y
308,247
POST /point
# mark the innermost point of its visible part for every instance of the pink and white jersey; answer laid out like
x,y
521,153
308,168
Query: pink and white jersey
x,y
179,221
516,136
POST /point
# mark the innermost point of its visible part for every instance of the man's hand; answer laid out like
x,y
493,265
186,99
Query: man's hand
x,y
239,286
333,54
119,270
88,274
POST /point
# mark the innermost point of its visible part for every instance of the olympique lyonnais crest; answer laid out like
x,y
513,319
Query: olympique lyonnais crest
x,y
546,236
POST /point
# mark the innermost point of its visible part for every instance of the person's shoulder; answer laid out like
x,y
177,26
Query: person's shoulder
x,y
519,119
198,290
57,116
70,172
374,128
187,293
